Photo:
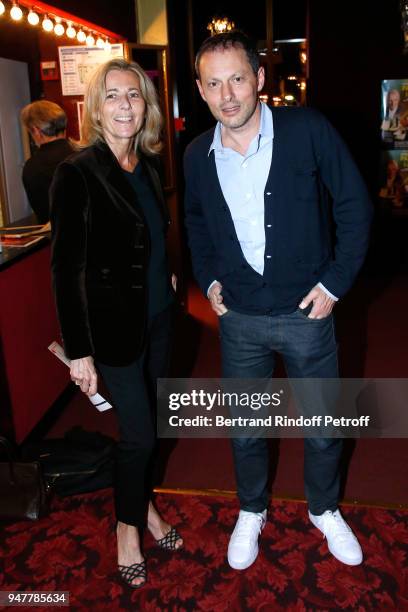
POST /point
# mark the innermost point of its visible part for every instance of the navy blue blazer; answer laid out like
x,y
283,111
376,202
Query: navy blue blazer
x,y
312,181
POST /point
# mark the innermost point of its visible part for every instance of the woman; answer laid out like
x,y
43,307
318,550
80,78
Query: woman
x,y
112,286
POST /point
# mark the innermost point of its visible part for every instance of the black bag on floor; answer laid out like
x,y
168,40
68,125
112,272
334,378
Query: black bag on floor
x,y
23,490
80,462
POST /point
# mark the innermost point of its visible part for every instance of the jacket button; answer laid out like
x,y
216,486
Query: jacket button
x,y
264,285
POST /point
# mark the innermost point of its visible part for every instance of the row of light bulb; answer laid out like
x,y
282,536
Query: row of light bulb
x,y
48,25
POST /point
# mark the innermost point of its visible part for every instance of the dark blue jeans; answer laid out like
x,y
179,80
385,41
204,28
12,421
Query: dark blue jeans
x,y
249,344
133,391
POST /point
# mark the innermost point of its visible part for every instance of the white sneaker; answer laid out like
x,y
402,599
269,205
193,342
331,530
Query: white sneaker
x,y
243,544
341,541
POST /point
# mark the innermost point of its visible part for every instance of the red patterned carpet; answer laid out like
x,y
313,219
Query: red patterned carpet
x,y
73,549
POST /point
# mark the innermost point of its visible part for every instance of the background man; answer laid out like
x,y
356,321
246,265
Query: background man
x,y
46,123
257,215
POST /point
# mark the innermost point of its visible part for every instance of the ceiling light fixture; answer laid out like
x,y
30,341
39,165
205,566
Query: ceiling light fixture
x,y
47,24
33,18
81,36
58,28
70,31
60,22
220,25
16,13
90,40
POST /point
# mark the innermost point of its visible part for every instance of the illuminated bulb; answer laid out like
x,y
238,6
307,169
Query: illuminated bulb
x,y
71,32
16,13
99,43
90,41
2,8
81,36
59,29
32,18
47,24
108,46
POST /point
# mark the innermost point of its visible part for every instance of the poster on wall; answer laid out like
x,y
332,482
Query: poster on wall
x,y
394,113
77,64
393,191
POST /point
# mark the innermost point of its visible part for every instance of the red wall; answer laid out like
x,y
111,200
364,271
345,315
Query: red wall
x,y
31,378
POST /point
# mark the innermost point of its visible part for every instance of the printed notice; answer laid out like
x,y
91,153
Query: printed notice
x,y
77,64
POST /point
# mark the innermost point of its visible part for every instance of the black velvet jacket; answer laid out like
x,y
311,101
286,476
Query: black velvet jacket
x,y
100,253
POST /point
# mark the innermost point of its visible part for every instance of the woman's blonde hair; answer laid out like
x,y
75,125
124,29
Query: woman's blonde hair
x,y
147,140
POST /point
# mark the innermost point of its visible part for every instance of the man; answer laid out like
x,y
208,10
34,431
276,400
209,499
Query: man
x,y
257,216
46,123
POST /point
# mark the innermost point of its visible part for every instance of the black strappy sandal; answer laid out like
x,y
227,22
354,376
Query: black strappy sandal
x,y
168,542
130,572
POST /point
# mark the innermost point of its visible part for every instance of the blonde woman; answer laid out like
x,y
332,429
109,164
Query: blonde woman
x,y
113,289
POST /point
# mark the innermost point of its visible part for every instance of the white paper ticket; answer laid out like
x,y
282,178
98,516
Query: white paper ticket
x,y
97,400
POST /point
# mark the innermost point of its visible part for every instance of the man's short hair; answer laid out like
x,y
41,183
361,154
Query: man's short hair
x,y
47,116
235,38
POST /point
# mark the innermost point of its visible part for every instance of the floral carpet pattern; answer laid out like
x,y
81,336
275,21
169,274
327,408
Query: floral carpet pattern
x,y
73,549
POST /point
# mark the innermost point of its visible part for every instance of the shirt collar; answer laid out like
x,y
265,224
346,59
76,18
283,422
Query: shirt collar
x,y
265,129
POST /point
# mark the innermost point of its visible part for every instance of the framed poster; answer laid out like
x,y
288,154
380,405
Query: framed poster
x,y
393,191
77,64
394,113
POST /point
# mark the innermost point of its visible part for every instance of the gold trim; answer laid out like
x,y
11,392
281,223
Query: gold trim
x,y
292,498
4,206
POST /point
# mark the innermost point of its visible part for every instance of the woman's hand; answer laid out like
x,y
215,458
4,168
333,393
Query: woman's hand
x,y
174,282
84,375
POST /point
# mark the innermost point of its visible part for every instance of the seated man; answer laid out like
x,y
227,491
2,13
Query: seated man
x,y
46,123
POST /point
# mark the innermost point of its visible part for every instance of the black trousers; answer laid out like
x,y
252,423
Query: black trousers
x,y
133,392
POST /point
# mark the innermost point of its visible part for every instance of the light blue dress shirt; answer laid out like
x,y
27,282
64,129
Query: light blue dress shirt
x,y
243,179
